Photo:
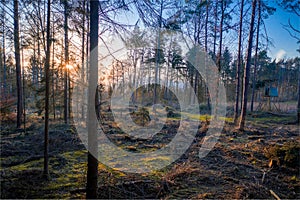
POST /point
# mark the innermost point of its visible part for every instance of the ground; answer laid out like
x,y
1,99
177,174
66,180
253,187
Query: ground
x,y
260,162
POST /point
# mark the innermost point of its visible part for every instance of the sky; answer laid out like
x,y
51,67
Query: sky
x,y
284,45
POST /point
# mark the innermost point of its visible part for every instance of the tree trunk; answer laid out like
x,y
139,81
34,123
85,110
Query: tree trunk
x,y
47,73
18,63
219,56
256,56
298,114
92,173
23,90
87,41
206,50
4,56
215,31
53,90
238,71
66,75
221,37
247,68
157,67
82,56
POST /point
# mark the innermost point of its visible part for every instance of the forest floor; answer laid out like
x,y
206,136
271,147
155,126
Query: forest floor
x,y
260,162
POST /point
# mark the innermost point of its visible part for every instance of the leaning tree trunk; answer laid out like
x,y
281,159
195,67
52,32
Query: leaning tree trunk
x,y
238,71
92,173
18,63
247,68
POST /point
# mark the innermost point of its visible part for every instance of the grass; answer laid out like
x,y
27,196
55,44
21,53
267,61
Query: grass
x,y
205,117
67,173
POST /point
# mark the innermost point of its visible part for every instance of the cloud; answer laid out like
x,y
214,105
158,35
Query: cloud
x,y
280,55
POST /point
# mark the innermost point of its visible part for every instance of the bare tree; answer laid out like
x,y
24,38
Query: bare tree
x,y
47,77
238,71
256,55
18,63
66,76
92,173
298,113
247,68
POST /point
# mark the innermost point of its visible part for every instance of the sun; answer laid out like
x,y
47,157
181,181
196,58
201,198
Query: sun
x,y
69,67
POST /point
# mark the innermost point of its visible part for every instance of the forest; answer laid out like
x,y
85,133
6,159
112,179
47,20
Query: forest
x,y
149,99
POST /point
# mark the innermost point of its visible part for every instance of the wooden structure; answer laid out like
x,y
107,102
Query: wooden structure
x,y
266,104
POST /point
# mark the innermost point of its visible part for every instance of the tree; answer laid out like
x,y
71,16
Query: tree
x,y
247,68
3,54
206,48
18,63
47,79
158,53
92,173
298,105
238,71
66,75
256,54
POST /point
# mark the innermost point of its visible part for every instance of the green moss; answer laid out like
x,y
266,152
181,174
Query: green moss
x,y
205,117
267,117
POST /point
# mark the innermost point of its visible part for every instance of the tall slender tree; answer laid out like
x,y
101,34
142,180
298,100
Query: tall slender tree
x,y
83,50
298,106
92,173
47,92
247,68
3,53
238,71
256,56
66,74
18,63
206,47
158,49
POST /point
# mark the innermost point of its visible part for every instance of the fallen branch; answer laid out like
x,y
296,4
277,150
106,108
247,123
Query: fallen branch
x,y
274,194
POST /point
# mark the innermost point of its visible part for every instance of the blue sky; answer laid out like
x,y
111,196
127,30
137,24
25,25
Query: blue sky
x,y
284,45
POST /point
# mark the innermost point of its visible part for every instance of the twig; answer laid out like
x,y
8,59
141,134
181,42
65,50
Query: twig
x,y
263,177
274,194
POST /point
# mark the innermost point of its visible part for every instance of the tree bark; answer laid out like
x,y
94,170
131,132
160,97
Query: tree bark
x,y
18,63
82,55
4,56
66,75
47,77
298,113
256,56
247,68
157,67
92,173
52,79
238,71
221,36
215,31
206,50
